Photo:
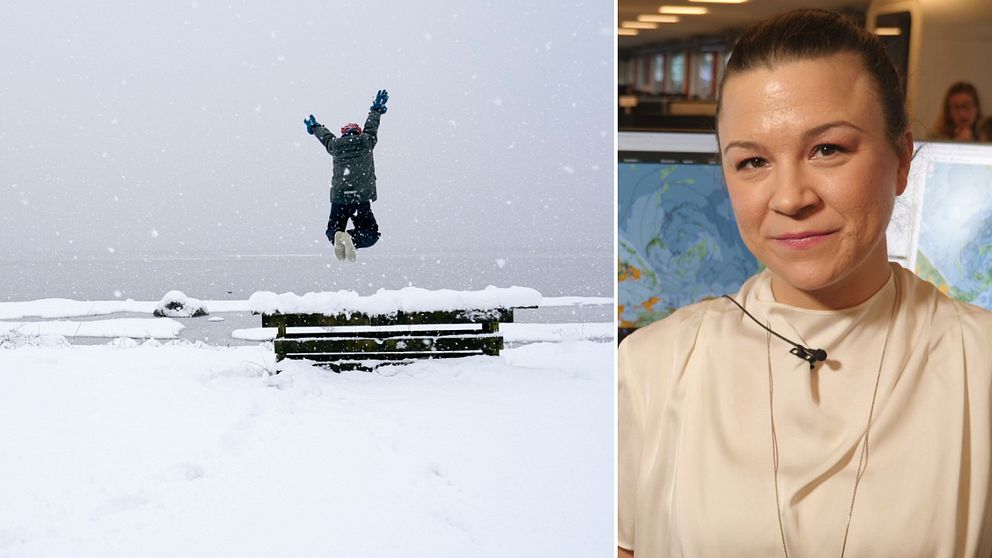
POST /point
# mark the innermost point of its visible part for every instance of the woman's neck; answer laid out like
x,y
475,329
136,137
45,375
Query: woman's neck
x,y
850,291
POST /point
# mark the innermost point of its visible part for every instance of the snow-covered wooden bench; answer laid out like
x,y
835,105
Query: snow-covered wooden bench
x,y
346,331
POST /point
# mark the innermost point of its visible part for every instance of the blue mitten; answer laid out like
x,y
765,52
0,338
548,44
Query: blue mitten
x,y
379,105
311,124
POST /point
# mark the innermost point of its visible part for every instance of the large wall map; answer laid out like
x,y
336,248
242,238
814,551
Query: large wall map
x,y
955,243
678,242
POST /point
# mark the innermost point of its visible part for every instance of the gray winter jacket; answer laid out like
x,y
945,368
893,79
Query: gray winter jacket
x,y
353,180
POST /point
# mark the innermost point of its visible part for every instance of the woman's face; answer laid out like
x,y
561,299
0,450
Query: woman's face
x,y
962,109
812,177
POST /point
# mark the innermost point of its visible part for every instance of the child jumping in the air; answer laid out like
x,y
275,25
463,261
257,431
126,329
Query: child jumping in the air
x,y
353,180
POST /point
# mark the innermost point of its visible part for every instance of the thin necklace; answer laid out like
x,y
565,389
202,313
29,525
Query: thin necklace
x,y
862,461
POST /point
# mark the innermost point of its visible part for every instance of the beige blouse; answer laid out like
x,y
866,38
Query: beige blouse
x,y
697,393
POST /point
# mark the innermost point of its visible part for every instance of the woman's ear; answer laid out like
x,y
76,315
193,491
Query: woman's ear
x,y
905,154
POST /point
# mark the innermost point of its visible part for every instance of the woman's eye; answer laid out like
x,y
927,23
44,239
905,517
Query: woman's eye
x,y
753,162
827,149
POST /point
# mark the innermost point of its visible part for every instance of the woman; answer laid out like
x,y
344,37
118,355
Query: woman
x,y
959,115
731,446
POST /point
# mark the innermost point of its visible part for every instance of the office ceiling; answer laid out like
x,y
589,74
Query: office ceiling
x,y
720,19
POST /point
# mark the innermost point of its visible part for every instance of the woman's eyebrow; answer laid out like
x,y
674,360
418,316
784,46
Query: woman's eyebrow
x,y
813,132
742,144
807,135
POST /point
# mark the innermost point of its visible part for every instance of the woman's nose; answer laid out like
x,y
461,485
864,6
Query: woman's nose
x,y
792,191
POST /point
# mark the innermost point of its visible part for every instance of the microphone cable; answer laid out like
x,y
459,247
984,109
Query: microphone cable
x,y
809,354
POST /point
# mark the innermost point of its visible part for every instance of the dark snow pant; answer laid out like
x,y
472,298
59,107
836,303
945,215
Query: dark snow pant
x,y
366,231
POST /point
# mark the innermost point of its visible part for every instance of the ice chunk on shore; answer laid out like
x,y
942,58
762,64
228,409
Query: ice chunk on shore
x,y
175,304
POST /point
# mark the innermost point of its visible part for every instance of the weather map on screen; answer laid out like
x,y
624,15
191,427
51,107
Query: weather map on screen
x,y
678,239
954,246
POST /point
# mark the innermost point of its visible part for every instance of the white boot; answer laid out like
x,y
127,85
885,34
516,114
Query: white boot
x,y
349,247
339,250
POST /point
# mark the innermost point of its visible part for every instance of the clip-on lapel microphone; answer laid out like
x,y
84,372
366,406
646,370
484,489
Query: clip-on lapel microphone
x,y
810,355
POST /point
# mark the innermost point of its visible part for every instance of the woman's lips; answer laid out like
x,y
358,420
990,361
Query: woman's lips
x,y
803,240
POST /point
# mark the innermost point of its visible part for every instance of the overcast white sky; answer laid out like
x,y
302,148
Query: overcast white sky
x,y
132,128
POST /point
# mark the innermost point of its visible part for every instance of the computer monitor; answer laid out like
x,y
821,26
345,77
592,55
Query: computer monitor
x,y
945,219
679,244
678,238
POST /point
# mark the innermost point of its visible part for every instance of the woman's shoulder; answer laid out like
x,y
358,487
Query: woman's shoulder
x,y
647,357
945,312
976,325
683,321
918,289
667,343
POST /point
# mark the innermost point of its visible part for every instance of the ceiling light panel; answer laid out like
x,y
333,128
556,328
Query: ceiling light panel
x,y
683,10
638,25
652,18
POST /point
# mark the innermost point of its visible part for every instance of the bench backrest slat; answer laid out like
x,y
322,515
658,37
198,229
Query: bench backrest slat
x,y
297,334
487,344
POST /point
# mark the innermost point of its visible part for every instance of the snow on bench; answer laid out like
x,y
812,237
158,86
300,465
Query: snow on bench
x,y
349,331
385,302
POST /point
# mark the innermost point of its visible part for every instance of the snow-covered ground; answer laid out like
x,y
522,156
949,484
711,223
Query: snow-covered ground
x,y
175,448
167,328
67,308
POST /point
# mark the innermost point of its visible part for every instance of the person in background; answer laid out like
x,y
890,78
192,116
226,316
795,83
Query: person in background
x,y
959,115
353,180
837,405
